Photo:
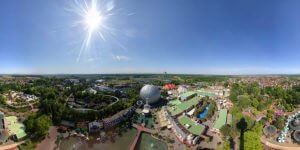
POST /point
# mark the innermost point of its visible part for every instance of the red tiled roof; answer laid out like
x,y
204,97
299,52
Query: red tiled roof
x,y
169,86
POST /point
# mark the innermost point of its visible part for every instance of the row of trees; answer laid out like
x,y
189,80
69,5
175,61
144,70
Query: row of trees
x,y
53,108
38,125
53,99
202,78
247,95
259,99
248,131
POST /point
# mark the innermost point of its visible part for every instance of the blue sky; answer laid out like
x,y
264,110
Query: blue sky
x,y
176,36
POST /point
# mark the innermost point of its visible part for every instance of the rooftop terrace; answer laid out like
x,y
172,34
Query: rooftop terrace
x,y
206,93
176,106
194,128
187,94
15,127
221,120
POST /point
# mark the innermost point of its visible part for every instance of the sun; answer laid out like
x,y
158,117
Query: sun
x,y
93,19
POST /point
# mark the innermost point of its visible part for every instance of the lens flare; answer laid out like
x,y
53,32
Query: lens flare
x,y
95,19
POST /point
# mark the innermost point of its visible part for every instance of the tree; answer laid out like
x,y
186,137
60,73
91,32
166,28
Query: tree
x,y
252,141
42,125
226,84
30,123
226,145
279,124
261,107
228,131
244,101
255,102
254,112
257,128
164,93
250,122
2,99
28,145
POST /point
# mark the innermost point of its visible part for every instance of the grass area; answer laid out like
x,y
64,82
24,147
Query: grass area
x,y
194,128
15,127
221,120
176,106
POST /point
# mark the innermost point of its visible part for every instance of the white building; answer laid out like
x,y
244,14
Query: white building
x,y
181,89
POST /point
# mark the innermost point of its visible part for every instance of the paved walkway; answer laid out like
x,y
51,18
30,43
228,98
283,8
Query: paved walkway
x,y
11,146
279,147
49,142
140,130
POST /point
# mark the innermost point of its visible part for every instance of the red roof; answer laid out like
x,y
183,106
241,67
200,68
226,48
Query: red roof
x,y
169,86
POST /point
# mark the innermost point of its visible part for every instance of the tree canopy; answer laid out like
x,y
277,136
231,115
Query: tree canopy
x,y
252,141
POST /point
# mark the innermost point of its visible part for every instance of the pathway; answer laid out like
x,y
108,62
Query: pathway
x,y
11,146
140,130
279,147
49,142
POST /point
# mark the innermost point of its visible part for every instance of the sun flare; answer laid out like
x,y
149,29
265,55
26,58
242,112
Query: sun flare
x,y
93,19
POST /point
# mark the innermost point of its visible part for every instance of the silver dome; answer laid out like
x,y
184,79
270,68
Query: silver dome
x,y
150,93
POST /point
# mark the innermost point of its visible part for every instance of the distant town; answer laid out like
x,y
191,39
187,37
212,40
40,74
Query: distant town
x,y
149,111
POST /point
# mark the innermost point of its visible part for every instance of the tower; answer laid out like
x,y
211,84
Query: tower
x,y
147,107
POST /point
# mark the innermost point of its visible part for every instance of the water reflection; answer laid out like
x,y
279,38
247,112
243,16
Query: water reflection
x,y
120,142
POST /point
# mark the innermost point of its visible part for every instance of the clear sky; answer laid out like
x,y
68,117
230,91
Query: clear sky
x,y
151,36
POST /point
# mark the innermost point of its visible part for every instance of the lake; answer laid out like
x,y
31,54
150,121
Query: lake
x,y
123,142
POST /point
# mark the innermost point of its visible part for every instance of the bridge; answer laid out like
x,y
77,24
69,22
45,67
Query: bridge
x,y
140,129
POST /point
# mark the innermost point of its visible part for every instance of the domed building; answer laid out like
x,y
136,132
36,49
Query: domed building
x,y
150,93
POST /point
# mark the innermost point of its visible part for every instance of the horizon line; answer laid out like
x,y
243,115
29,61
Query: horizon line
x,y
211,74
